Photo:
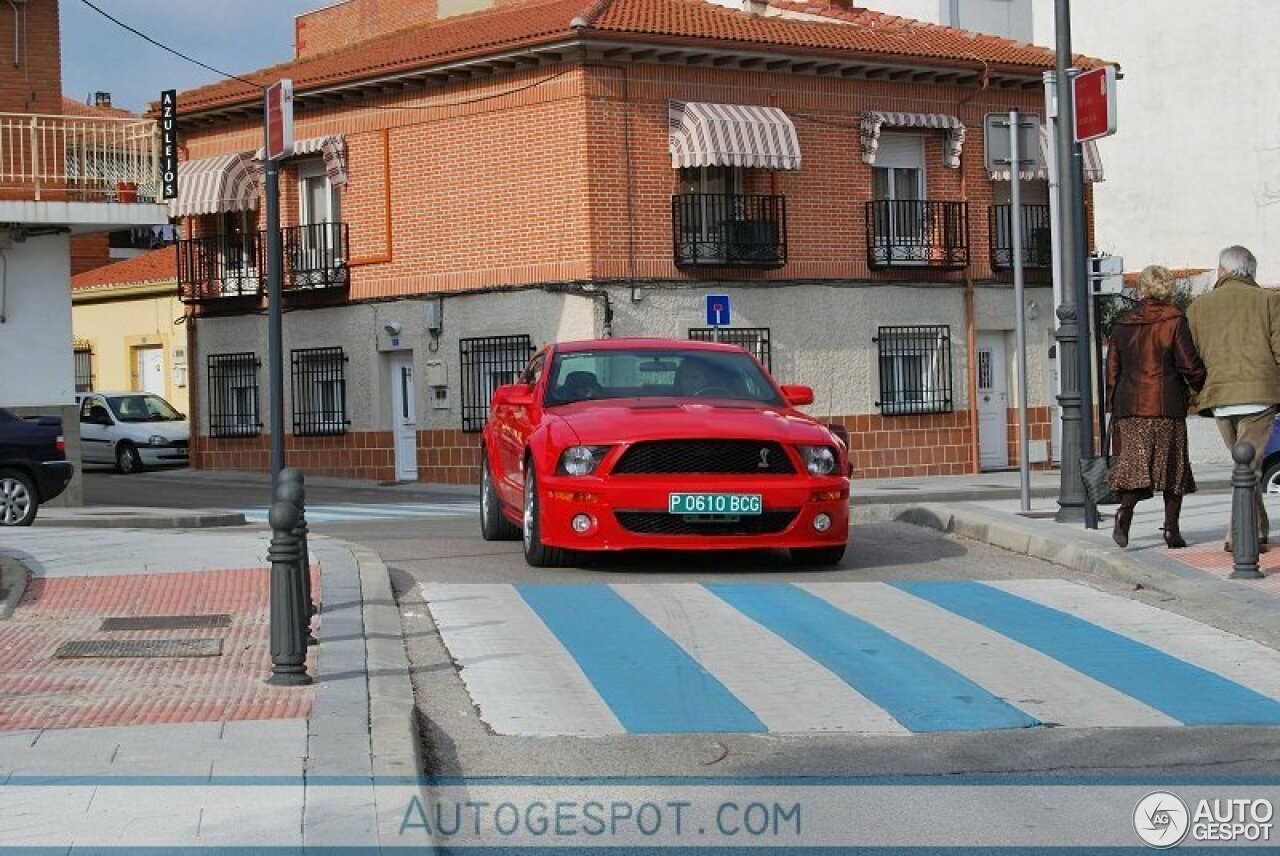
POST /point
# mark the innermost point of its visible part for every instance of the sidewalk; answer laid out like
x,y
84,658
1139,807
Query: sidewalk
x,y
199,752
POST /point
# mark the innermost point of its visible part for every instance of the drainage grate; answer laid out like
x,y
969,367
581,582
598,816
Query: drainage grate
x,y
84,648
167,622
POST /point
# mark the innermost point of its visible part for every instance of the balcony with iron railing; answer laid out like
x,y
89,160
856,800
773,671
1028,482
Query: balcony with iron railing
x,y
729,230
78,159
917,233
1037,247
220,267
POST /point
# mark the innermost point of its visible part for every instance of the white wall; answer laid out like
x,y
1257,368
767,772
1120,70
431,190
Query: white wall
x,y
36,362
1195,165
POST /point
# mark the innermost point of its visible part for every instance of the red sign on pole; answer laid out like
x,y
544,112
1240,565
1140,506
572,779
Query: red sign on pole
x,y
1094,96
279,119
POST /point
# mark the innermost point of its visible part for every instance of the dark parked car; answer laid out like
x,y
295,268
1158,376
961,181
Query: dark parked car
x,y
33,466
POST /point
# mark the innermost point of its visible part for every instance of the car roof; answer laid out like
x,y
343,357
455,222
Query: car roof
x,y
643,344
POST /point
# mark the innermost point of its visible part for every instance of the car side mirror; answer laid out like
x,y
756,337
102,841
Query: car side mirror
x,y
797,395
513,395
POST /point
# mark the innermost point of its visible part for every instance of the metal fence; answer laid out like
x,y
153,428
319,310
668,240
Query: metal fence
x,y
917,233
729,230
319,392
1037,239
315,256
80,157
84,369
233,395
488,363
221,266
915,369
755,340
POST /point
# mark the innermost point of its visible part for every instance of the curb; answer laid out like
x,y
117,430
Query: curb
x,y
1009,534
135,519
13,584
393,723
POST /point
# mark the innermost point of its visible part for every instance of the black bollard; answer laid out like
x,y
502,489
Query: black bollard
x,y
288,639
291,490
1244,515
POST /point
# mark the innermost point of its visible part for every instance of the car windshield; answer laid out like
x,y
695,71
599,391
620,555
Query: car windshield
x,y
143,408
654,373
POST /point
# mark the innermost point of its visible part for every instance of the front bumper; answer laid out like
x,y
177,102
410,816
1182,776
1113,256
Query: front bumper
x,y
161,456
611,500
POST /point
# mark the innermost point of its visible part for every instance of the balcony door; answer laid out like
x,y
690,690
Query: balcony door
x,y
897,185
319,212
237,249
710,198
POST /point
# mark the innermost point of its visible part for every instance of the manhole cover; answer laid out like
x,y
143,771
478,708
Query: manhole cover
x,y
82,648
166,622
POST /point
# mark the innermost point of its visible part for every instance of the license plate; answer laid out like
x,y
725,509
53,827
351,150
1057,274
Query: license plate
x,y
713,503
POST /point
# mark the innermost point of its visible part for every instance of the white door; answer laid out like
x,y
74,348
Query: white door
x,y
150,370
993,402
405,419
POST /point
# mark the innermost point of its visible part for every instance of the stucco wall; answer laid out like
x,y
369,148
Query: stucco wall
x,y
35,337
114,329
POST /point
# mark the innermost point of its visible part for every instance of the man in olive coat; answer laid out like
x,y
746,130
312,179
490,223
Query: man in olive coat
x,y
1236,328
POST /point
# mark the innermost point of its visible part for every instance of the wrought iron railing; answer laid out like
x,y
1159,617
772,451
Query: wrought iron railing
x,y
917,233
319,392
915,369
79,158
233,395
221,266
1037,246
729,230
315,257
488,363
755,340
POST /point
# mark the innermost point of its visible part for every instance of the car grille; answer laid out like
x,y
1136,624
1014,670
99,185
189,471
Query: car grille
x,y
661,523
705,456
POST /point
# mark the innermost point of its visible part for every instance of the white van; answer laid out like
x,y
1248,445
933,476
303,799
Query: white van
x,y
132,430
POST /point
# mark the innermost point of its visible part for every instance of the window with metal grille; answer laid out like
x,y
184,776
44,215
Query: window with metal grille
x,y
84,369
754,340
233,395
488,363
915,370
319,392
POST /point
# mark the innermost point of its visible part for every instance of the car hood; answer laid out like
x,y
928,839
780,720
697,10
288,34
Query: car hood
x,y
611,421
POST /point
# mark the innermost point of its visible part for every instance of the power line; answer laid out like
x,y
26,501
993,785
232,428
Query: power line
x,y
162,46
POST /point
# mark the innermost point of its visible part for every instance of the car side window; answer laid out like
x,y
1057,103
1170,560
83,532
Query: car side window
x,y
533,371
92,410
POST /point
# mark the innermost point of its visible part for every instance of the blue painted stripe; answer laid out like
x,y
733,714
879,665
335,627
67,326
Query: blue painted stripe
x,y
1185,692
917,690
649,682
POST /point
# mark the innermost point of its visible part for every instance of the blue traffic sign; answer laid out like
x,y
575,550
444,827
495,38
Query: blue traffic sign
x,y
717,310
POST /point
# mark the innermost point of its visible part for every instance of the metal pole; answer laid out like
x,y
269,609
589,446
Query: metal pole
x,y
1020,311
1079,260
1244,515
1071,496
288,639
275,323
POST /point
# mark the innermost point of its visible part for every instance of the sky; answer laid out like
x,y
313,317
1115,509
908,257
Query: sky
x,y
234,36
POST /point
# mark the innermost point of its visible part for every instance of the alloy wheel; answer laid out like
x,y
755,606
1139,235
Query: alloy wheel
x,y
15,501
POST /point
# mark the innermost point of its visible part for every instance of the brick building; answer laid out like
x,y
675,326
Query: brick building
x,y
478,179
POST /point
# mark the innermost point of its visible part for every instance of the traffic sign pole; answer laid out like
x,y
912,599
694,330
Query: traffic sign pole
x,y
1020,311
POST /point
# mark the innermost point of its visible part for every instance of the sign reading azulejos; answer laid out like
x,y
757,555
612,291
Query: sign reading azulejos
x,y
169,144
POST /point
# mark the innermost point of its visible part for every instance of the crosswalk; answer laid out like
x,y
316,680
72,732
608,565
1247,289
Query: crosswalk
x,y
350,512
853,657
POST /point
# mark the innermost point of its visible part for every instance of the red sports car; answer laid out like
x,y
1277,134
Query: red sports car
x,y
619,444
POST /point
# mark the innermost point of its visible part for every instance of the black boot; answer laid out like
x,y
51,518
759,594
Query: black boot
x,y
1124,517
1172,510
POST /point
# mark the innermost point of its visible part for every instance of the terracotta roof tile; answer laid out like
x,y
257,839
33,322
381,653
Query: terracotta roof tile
x,y
72,107
156,266
847,31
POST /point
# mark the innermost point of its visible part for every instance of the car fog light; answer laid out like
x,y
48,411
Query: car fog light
x,y
582,523
822,522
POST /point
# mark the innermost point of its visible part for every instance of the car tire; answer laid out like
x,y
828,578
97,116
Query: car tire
x,y
813,556
128,461
18,499
536,553
494,525
1271,477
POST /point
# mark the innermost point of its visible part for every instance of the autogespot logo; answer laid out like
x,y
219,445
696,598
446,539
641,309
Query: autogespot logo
x,y
1161,820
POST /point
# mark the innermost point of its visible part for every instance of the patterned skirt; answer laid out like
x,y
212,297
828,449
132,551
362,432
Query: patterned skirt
x,y
1153,457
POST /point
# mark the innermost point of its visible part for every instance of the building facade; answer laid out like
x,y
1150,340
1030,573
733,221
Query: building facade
x,y
600,170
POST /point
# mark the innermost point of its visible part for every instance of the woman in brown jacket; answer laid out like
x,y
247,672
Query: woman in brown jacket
x,y
1151,365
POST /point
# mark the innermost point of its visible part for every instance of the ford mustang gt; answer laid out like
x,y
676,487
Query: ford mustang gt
x,y
620,444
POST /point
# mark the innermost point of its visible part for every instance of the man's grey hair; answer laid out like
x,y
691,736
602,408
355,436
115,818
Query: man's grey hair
x,y
1237,261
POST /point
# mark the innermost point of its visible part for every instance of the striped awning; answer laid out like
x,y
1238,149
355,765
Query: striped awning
x,y
874,120
332,148
217,184
705,134
1089,151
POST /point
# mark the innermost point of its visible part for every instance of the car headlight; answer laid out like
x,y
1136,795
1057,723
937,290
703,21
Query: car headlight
x,y
157,440
818,460
581,460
